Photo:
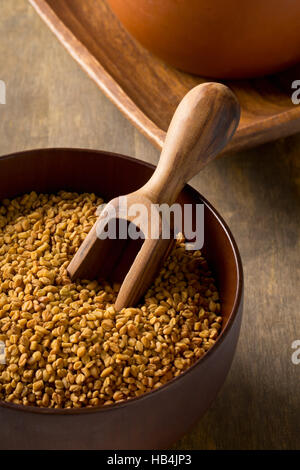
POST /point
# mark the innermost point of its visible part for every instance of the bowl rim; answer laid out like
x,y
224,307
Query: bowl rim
x,y
231,319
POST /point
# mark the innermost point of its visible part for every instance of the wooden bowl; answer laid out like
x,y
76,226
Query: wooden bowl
x,y
156,419
216,38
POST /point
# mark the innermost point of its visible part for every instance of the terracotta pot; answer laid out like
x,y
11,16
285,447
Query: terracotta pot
x,y
158,418
217,38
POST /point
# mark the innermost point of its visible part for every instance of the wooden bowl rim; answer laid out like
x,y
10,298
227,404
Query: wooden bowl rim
x,y
232,317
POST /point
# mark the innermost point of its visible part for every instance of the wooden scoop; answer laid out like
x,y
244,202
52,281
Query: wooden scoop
x,y
202,125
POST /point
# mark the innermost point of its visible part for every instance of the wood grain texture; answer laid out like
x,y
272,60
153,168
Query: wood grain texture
x,y
51,102
203,123
147,90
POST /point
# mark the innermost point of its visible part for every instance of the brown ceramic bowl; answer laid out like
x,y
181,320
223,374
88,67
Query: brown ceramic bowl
x,y
217,38
159,418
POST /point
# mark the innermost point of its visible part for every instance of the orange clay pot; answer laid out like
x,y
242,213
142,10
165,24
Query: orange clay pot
x,y
217,38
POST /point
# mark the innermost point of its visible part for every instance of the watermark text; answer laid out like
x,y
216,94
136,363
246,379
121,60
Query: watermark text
x,y
296,93
296,354
2,353
157,221
2,92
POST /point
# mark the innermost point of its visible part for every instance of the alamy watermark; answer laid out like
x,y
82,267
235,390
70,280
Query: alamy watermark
x,y
296,354
296,93
2,353
155,221
2,92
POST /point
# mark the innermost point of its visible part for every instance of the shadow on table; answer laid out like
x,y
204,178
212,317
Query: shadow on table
x,y
258,193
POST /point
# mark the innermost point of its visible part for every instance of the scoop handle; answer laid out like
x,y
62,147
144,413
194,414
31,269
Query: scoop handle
x,y
202,125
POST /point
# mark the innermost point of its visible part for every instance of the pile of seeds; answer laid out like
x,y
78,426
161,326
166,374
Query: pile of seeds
x,y
65,345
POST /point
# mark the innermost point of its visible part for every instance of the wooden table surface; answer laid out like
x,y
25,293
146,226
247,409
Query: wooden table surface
x,y
52,103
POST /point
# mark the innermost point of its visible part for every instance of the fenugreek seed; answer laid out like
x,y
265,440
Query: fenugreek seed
x,y
5,376
87,333
179,363
107,324
41,329
132,330
51,358
204,334
117,396
94,372
46,375
66,345
89,364
14,339
34,345
167,330
39,374
139,346
74,398
23,360
37,386
81,351
45,400
19,388
59,384
80,379
126,372
106,372
36,357
77,365
160,310
55,346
